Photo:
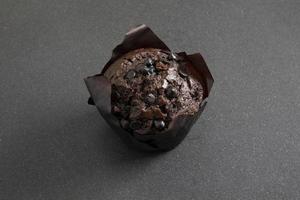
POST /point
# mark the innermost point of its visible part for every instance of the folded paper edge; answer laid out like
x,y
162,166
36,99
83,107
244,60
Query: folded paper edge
x,y
199,62
99,88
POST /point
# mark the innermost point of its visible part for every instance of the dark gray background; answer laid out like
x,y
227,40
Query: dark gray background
x,y
54,146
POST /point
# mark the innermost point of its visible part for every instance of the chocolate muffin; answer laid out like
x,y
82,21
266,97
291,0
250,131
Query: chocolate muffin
x,y
150,87
150,96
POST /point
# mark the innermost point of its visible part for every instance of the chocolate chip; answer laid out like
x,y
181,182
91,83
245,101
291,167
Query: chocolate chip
x,y
130,74
170,92
151,71
146,70
150,98
159,124
149,62
135,125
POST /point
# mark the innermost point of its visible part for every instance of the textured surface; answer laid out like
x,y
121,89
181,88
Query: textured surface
x,y
54,146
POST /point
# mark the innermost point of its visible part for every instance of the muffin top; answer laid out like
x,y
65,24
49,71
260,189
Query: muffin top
x,y
150,87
